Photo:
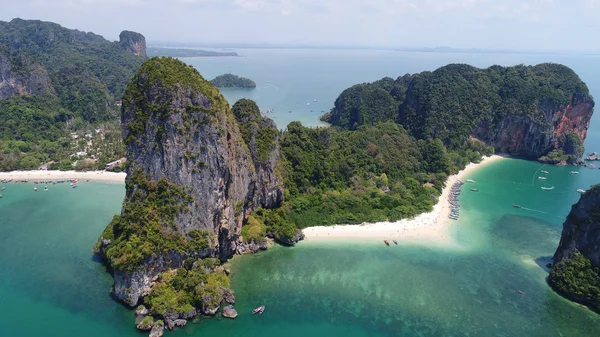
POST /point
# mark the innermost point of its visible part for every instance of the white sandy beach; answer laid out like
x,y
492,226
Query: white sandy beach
x,y
427,227
103,176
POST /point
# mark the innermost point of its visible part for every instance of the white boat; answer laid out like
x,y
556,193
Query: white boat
x,y
573,172
542,178
581,191
545,172
470,180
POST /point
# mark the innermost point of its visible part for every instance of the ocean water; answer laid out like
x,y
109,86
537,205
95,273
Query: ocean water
x,y
50,284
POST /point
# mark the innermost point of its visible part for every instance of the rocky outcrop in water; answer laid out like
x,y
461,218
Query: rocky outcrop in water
x,y
19,75
191,182
133,42
581,230
229,312
576,270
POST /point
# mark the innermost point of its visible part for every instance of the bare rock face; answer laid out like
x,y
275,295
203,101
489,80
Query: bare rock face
x,y
522,135
134,42
581,230
229,312
21,76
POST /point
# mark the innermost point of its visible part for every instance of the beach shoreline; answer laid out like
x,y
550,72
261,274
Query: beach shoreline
x,y
101,176
433,227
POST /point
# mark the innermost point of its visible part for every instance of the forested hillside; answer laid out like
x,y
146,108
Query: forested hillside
x,y
80,78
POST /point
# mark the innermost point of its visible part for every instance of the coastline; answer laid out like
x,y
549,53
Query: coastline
x,y
434,226
102,176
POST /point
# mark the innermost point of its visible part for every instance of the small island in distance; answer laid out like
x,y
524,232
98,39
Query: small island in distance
x,y
183,52
232,81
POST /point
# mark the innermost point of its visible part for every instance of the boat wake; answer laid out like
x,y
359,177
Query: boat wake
x,y
542,212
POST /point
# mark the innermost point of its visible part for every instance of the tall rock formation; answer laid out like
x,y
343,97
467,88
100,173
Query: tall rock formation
x,y
262,137
191,179
19,75
134,42
576,270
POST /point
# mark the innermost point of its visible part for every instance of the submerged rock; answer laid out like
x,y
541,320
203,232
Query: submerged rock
x,y
146,324
229,312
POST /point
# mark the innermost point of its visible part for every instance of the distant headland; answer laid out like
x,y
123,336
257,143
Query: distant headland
x,y
183,52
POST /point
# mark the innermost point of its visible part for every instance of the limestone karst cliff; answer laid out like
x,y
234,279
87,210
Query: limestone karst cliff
x,y
525,111
191,178
576,270
133,42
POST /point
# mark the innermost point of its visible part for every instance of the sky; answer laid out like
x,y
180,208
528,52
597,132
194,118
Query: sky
x,y
532,25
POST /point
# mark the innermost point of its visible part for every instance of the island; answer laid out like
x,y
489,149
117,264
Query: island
x,y
576,270
232,81
184,52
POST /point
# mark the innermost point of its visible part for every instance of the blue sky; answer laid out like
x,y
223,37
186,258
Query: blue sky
x,y
556,25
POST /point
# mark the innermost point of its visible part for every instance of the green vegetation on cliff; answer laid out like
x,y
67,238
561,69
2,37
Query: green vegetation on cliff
x,y
183,290
165,75
452,101
147,227
258,133
232,81
577,279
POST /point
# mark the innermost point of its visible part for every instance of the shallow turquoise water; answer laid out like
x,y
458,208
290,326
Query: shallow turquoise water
x,y
50,285
49,281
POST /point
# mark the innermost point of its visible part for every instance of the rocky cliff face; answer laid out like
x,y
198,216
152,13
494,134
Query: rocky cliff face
x,y
181,134
527,136
134,42
19,75
576,270
261,136
581,230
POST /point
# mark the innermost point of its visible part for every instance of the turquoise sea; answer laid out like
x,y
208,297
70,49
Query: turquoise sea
x,y
50,284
